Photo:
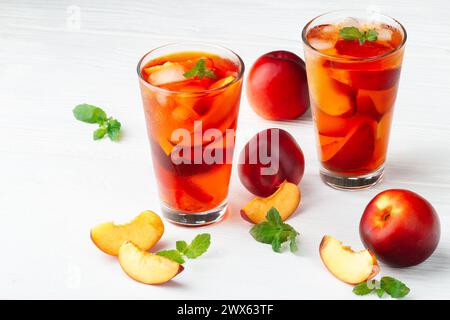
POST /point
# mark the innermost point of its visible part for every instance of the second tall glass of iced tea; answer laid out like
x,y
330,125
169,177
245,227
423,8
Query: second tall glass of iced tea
x,y
353,62
191,95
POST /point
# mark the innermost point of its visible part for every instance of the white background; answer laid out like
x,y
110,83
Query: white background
x,y
56,182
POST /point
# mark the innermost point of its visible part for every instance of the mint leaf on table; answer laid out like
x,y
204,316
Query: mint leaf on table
x,y
380,292
181,246
362,289
273,216
393,287
91,114
293,243
198,246
353,33
99,133
113,129
200,70
264,232
275,232
195,249
174,255
276,243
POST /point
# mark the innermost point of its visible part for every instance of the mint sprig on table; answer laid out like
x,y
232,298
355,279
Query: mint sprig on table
x,y
200,71
195,249
275,232
353,33
393,287
91,114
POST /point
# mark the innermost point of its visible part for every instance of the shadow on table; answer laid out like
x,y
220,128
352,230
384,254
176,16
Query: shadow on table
x,y
414,164
433,269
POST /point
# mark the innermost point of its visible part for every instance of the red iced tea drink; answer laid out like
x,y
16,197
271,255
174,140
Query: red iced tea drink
x,y
353,68
191,102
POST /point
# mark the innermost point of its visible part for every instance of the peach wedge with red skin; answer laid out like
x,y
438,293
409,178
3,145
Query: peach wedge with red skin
x,y
286,200
345,264
145,231
146,267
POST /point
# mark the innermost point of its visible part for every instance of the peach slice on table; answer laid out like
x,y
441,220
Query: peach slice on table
x,y
345,264
145,231
146,267
286,200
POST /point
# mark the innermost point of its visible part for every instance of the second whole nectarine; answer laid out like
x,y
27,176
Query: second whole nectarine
x,y
268,159
277,88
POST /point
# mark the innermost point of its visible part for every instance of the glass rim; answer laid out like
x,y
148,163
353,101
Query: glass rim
x,y
380,56
193,43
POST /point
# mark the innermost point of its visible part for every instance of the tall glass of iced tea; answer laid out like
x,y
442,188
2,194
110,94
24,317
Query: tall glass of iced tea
x,y
191,94
353,62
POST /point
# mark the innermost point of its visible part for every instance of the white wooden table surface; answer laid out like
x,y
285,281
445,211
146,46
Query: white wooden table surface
x,y
56,182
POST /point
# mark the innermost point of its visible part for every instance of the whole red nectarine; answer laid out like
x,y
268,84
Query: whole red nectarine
x,y
268,159
277,87
400,227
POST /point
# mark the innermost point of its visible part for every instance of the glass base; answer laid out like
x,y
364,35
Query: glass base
x,y
342,182
195,219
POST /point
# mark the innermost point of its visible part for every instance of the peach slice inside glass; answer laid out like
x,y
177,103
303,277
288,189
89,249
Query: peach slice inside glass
x,y
356,150
382,99
222,82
